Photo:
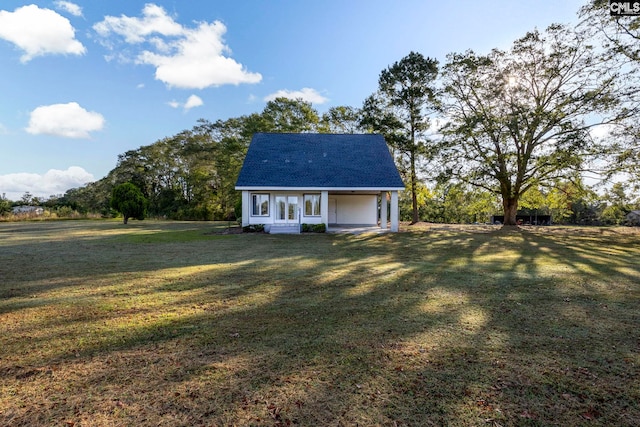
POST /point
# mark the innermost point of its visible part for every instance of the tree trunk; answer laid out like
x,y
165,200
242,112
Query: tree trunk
x,y
414,195
126,219
510,206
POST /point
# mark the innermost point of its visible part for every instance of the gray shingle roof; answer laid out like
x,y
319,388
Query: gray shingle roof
x,y
318,160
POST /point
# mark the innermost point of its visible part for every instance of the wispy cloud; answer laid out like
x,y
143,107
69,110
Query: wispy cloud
x,y
68,7
39,32
188,58
66,120
136,30
306,94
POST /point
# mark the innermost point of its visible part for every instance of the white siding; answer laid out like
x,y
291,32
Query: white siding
x,y
271,218
357,209
361,209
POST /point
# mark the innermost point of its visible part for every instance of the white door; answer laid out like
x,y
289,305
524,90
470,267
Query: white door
x,y
333,211
287,209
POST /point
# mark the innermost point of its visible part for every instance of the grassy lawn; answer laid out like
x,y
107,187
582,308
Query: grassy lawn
x,y
174,324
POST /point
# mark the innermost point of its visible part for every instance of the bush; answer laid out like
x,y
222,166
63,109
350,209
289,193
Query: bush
x,y
319,228
314,228
253,228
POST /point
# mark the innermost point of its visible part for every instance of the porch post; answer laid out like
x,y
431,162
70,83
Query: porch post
x,y
246,206
383,210
324,208
395,212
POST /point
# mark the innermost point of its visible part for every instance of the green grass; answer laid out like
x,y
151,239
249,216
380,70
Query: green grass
x,y
177,324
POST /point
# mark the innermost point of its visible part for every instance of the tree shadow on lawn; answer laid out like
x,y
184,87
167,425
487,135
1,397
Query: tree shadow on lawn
x,y
411,329
48,256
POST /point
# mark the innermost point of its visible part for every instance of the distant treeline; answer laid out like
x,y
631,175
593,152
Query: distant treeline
x,y
191,175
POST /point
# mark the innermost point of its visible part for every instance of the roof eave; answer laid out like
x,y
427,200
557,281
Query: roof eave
x,y
280,188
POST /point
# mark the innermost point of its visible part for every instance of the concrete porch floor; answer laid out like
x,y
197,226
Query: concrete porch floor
x,y
355,229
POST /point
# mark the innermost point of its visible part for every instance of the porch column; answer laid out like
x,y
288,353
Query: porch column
x,y
324,208
395,212
383,210
246,207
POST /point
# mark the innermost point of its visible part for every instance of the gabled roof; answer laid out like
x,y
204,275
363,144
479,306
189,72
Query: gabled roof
x,y
312,160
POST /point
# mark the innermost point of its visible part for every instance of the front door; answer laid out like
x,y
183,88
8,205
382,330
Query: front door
x,y
333,211
287,209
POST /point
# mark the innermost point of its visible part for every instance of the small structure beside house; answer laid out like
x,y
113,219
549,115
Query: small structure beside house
x,y
333,179
524,219
632,218
25,210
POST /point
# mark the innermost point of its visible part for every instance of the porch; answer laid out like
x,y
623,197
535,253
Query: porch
x,y
356,229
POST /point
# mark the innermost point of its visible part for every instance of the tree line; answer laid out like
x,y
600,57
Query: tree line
x,y
512,130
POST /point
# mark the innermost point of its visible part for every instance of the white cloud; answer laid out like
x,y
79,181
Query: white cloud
x,y
52,182
601,131
188,58
39,32
191,102
67,120
69,7
306,94
135,30
198,61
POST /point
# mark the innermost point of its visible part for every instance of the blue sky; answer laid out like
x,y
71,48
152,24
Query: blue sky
x,y
83,81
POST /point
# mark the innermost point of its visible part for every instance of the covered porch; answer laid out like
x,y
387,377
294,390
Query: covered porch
x,y
344,210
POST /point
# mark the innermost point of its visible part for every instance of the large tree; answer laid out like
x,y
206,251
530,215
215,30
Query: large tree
x,y
522,117
400,111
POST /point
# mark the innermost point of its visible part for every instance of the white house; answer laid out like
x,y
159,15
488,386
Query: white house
x,y
23,210
336,179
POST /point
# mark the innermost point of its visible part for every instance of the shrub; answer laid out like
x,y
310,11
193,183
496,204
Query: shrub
x,y
319,228
314,228
253,228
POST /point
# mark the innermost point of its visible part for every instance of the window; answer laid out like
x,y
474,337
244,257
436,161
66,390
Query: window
x,y
260,205
312,205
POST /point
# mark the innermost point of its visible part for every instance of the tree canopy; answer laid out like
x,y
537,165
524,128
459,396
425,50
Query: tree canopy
x,y
619,36
129,201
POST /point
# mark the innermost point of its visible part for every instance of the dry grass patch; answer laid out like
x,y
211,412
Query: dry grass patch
x,y
175,323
